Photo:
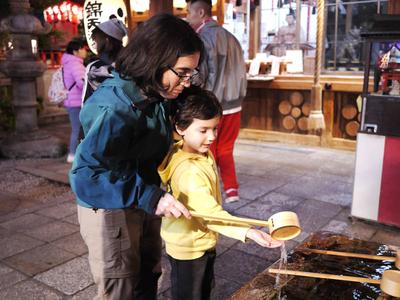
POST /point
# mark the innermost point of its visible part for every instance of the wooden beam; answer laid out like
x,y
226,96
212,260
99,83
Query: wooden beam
x,y
394,7
161,6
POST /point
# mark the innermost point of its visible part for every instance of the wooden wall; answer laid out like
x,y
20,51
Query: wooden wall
x,y
278,110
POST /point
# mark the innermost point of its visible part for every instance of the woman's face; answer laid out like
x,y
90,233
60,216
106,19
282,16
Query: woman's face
x,y
82,52
172,83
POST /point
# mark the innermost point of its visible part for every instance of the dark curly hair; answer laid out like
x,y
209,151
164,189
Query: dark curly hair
x,y
155,45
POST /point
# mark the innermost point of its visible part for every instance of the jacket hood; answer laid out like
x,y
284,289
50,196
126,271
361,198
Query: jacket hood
x,y
174,158
67,58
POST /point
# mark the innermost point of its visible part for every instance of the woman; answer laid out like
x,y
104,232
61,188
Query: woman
x,y
108,42
127,134
74,73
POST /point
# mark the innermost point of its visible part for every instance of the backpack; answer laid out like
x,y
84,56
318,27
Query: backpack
x,y
57,90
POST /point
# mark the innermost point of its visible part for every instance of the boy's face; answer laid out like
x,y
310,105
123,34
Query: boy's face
x,y
199,136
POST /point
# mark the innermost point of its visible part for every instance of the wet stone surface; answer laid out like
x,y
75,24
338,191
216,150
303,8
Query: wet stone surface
x,y
263,286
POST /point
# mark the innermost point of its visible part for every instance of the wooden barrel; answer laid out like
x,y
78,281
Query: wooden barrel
x,y
349,112
289,123
284,107
352,128
302,123
296,98
306,109
296,112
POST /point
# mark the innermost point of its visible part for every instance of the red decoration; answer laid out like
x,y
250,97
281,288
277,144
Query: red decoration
x,y
66,11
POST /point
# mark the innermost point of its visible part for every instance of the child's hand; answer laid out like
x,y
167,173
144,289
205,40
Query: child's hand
x,y
262,238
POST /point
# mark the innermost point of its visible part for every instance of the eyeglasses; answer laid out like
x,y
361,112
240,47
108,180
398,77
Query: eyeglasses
x,y
187,75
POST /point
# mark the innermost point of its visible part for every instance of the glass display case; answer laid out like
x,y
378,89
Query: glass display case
x,y
381,96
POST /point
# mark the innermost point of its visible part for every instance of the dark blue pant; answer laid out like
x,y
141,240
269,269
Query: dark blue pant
x,y
73,113
192,279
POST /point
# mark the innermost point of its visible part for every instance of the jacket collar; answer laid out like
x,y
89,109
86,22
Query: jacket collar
x,y
134,93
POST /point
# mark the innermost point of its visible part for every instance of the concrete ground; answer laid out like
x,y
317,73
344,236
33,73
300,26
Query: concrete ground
x,y
42,255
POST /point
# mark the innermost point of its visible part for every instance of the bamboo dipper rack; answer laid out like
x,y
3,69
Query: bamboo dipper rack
x,y
390,282
396,258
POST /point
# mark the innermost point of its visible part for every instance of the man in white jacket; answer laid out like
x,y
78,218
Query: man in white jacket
x,y
223,72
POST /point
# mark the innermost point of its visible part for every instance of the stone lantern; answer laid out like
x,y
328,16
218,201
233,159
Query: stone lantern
x,y
22,66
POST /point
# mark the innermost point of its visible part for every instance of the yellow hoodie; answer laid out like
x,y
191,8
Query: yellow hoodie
x,y
192,179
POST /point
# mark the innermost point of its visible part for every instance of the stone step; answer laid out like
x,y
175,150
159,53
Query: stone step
x,y
53,118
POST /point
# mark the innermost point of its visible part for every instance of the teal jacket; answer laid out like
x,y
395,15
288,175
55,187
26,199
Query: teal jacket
x,y
127,135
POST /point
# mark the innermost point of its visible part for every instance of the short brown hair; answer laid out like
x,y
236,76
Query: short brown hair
x,y
195,103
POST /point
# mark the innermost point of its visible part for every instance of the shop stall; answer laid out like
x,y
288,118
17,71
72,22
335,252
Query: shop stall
x,y
280,41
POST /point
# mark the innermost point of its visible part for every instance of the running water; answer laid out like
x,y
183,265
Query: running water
x,y
282,263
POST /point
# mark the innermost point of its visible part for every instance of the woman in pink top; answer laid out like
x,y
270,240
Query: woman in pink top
x,y
74,74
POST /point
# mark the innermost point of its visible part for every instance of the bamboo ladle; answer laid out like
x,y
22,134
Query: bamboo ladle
x,y
396,258
390,282
282,226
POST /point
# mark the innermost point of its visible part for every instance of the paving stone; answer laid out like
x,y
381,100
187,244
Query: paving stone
x,y
164,283
88,293
248,167
227,266
40,259
233,206
10,202
301,237
319,188
252,187
69,278
16,243
73,219
223,288
336,226
72,243
360,230
59,211
313,214
9,276
266,206
387,236
29,289
25,222
52,231
4,232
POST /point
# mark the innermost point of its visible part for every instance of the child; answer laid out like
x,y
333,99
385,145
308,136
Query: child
x,y
190,173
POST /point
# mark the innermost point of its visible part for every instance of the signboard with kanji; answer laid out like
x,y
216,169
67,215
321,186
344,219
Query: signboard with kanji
x,y
98,11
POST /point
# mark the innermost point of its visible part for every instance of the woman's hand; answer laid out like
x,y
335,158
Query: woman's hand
x,y
168,206
262,238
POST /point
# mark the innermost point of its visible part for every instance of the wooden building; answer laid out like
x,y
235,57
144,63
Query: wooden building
x,y
277,107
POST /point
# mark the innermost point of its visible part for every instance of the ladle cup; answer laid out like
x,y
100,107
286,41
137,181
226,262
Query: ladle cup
x,y
390,282
282,225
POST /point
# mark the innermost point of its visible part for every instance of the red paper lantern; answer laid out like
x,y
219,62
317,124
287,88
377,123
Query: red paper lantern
x,y
66,11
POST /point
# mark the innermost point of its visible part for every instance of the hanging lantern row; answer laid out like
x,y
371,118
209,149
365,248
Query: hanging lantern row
x,y
66,11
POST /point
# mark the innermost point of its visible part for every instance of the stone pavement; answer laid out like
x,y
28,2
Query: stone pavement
x,y
42,255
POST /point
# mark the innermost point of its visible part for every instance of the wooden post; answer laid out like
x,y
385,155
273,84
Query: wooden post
x,y
255,23
161,6
394,7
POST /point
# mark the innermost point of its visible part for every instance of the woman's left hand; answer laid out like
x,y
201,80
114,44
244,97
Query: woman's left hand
x,y
168,206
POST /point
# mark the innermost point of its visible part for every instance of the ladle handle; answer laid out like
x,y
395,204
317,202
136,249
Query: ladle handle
x,y
231,219
326,276
351,254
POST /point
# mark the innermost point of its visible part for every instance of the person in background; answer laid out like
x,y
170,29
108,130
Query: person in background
x,y
223,72
127,134
108,42
190,173
74,74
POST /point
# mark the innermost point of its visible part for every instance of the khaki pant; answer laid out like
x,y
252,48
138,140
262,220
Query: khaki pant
x,y
124,251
